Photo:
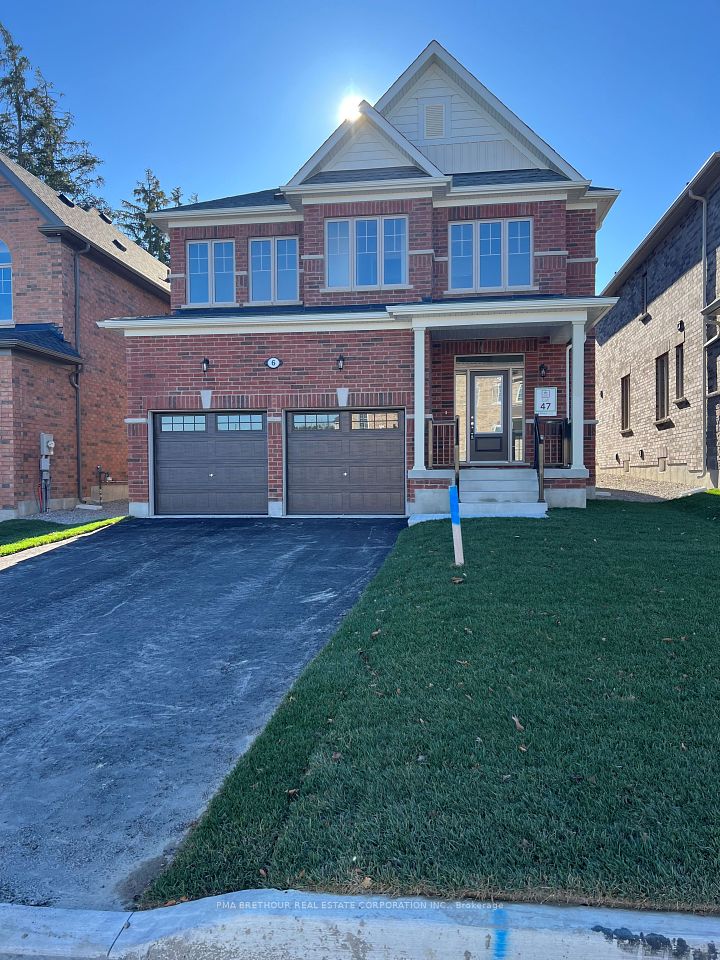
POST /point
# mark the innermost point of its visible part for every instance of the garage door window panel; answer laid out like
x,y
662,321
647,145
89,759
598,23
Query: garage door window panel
x,y
316,421
239,421
374,421
182,424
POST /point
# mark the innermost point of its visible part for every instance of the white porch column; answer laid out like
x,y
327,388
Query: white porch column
x,y
577,405
419,412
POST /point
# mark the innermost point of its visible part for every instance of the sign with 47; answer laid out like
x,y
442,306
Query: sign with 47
x,y
546,401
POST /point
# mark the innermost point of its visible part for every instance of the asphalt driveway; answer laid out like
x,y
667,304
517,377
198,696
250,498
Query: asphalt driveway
x,y
136,666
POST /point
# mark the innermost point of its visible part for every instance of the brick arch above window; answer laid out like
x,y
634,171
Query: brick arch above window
x,y
6,305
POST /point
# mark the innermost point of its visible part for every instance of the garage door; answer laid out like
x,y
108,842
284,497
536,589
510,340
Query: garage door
x,y
210,463
346,462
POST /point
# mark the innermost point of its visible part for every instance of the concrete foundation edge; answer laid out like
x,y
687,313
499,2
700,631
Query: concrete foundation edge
x,y
276,924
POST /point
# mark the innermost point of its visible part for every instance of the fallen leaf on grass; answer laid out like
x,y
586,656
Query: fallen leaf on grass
x,y
463,663
376,633
291,794
522,748
336,756
518,726
457,579
367,882
262,872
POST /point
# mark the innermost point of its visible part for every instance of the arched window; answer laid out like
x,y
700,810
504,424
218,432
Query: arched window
x,y
6,312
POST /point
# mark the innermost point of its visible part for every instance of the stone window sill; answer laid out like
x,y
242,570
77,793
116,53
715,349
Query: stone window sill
x,y
664,423
644,317
681,402
627,432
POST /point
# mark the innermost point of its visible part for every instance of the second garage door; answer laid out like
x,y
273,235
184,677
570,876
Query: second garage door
x,y
211,463
346,462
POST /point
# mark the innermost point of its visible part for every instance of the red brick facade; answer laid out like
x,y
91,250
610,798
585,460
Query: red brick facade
x,y
36,394
165,372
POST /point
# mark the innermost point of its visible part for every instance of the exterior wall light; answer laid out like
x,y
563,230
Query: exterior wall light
x,y
543,371
205,365
340,362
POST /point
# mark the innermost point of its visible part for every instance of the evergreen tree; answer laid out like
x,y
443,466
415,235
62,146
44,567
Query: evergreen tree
x,y
148,196
36,132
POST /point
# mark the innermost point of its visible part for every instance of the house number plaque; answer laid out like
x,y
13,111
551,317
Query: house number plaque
x,y
546,401
273,363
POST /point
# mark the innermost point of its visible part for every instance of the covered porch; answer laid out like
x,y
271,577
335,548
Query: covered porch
x,y
503,402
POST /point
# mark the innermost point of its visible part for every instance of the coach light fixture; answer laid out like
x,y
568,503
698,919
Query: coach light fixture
x,y
340,362
205,364
543,371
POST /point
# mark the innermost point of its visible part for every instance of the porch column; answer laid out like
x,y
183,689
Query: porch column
x,y
419,382
577,405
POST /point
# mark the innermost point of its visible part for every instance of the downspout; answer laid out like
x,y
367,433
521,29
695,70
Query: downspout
x,y
703,357
75,377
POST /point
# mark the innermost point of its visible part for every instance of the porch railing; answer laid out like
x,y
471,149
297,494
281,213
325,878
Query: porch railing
x,y
556,437
443,445
539,458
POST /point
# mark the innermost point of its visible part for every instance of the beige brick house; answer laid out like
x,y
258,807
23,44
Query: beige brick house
x,y
658,403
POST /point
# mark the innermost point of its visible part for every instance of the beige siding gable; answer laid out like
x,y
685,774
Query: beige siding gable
x,y
366,149
473,140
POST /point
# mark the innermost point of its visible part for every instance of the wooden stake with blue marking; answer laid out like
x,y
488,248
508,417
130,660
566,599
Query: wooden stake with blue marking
x,y
455,522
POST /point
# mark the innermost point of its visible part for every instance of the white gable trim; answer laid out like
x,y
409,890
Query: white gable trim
x,y
344,131
434,51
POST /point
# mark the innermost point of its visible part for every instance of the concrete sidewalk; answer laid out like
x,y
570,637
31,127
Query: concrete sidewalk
x,y
288,924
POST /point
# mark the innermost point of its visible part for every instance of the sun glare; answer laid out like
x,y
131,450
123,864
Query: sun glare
x,y
349,107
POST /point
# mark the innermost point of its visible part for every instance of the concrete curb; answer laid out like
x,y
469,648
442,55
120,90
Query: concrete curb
x,y
288,924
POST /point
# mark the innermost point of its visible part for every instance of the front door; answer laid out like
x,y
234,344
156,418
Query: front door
x,y
489,395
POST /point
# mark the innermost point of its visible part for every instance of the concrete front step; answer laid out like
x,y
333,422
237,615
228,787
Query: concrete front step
x,y
480,485
525,495
506,509
497,473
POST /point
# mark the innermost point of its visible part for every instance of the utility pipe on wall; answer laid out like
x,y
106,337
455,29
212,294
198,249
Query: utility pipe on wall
x,y
703,353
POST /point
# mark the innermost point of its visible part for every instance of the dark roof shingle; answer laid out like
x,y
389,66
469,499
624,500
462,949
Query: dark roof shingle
x,y
39,337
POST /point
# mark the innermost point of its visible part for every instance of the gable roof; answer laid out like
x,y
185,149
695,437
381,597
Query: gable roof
x,y
344,133
62,215
260,198
511,124
704,179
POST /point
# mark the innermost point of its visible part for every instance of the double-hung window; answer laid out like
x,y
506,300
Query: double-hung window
x,y
6,304
211,271
662,387
490,255
274,270
366,252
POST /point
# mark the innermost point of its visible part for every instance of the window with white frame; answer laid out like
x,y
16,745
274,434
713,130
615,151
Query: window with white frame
x,y
490,255
211,271
274,270
366,252
6,304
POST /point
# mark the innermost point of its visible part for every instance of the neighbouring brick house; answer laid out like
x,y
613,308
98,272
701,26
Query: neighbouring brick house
x,y
428,268
658,402
63,268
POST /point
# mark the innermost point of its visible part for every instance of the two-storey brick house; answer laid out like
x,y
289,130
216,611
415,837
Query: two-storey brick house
x,y
428,268
63,268
658,393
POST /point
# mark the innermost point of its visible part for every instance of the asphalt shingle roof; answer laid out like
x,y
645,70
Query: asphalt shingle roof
x,y
43,337
90,226
492,177
360,176
261,198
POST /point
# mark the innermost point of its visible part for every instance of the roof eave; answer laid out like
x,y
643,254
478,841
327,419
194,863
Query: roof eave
x,y
25,347
709,171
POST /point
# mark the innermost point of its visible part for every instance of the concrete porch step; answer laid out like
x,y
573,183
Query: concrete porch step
x,y
525,495
498,473
519,508
495,484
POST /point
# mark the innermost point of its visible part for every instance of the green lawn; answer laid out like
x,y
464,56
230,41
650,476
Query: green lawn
x,y
395,764
17,535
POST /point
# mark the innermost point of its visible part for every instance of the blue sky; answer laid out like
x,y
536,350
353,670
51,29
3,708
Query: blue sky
x,y
230,96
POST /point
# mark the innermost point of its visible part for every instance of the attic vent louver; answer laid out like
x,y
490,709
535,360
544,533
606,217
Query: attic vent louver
x,y
120,246
105,217
434,121
66,200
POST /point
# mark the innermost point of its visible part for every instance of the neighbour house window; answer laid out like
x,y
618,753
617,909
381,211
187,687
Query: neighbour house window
x,y
625,403
367,252
211,271
662,387
274,270
490,255
6,305
679,371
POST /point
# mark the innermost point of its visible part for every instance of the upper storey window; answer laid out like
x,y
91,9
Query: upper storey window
x,y
367,252
274,270
491,255
6,305
211,271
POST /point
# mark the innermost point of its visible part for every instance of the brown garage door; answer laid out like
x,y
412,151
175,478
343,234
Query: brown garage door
x,y
210,463
346,462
